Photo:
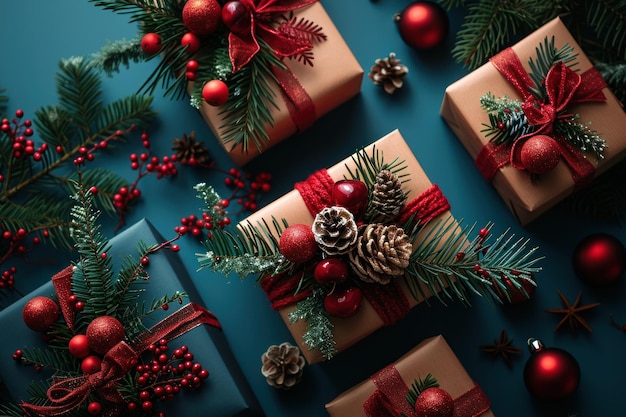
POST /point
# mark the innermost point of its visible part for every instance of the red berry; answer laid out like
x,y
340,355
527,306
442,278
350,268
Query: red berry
x,y
215,92
151,43
91,364
236,16
192,65
94,408
297,243
79,346
343,302
330,270
352,195
191,41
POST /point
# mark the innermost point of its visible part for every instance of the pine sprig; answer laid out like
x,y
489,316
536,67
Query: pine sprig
x,y
11,410
607,18
547,56
115,55
507,121
615,76
319,331
56,360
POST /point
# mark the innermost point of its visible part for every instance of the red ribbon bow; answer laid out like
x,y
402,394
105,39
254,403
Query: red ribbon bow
x,y
563,87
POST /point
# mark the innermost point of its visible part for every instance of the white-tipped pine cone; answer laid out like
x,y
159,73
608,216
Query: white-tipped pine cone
x,y
381,253
335,230
388,197
283,365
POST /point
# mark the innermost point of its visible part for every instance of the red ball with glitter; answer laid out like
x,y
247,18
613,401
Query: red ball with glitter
x,y
423,24
434,402
202,16
39,313
103,333
599,259
550,373
540,154
297,243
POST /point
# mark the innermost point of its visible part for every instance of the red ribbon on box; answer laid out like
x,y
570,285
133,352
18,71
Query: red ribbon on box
x,y
564,87
389,399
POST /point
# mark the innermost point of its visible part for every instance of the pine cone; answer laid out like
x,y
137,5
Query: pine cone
x,y
188,151
335,230
388,197
381,253
389,73
283,365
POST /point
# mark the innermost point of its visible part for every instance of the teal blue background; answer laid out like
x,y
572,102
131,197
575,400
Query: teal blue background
x,y
36,34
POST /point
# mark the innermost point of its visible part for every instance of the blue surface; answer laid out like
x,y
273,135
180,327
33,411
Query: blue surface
x,y
37,33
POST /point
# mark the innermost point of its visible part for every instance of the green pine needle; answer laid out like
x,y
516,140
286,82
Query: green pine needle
x,y
319,332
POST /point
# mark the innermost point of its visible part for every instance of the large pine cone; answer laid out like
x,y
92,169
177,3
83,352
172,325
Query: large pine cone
x,y
388,197
283,365
335,230
381,253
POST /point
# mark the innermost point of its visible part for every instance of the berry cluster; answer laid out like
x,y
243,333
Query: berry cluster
x,y
19,133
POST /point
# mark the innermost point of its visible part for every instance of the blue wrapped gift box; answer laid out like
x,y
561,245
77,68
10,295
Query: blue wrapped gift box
x,y
226,393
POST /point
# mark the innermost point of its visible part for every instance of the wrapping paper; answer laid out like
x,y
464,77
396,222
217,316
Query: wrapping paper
x,y
432,356
462,111
291,207
226,392
332,56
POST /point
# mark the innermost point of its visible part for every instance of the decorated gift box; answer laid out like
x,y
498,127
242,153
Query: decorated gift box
x,y
430,375
538,120
101,373
354,247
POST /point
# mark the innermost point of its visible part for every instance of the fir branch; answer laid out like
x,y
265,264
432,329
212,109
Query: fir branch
x,y
114,55
133,318
319,332
212,201
11,410
581,136
607,18
507,121
547,56
58,361
615,77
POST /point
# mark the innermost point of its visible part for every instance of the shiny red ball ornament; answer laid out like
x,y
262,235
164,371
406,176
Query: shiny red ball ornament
x,y
91,364
434,402
215,92
191,41
343,302
330,270
550,373
103,333
94,408
423,24
236,16
79,346
540,154
202,17
599,258
39,313
352,195
151,43
297,243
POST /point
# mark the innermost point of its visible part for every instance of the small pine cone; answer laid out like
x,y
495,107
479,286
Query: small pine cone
x,y
188,151
388,197
283,365
381,253
335,230
389,73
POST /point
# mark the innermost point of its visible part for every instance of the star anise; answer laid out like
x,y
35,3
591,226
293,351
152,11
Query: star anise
x,y
188,151
503,347
572,312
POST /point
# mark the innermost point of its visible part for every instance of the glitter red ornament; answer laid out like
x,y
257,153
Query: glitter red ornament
x,y
599,259
215,92
103,333
151,43
434,402
550,373
297,243
423,24
202,16
39,313
540,154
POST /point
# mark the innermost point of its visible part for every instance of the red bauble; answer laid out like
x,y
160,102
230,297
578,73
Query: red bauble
x,y
39,313
517,295
352,195
343,302
94,408
330,270
191,41
423,24
202,16
103,333
599,259
79,346
297,243
434,402
540,154
215,92
550,373
91,364
236,16
151,43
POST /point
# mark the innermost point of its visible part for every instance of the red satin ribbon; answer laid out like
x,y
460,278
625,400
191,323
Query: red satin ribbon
x,y
563,87
389,398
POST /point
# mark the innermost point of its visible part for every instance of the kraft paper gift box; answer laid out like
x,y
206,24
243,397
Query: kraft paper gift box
x,y
291,206
332,56
433,356
528,199
225,393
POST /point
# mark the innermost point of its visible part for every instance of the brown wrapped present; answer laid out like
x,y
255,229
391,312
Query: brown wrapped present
x,y
432,356
332,56
529,195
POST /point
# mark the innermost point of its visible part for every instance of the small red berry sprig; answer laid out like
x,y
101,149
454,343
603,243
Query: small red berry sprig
x,y
19,131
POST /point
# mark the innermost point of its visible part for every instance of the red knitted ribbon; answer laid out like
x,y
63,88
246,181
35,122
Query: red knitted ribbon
x,y
281,290
425,207
564,87
316,191
389,399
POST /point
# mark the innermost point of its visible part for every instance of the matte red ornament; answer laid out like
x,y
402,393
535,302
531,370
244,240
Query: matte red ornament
x,y
191,41
423,24
215,92
297,243
39,313
352,195
151,43
540,154
343,302
202,16
599,259
550,373
103,333
91,364
79,346
94,408
434,402
330,270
